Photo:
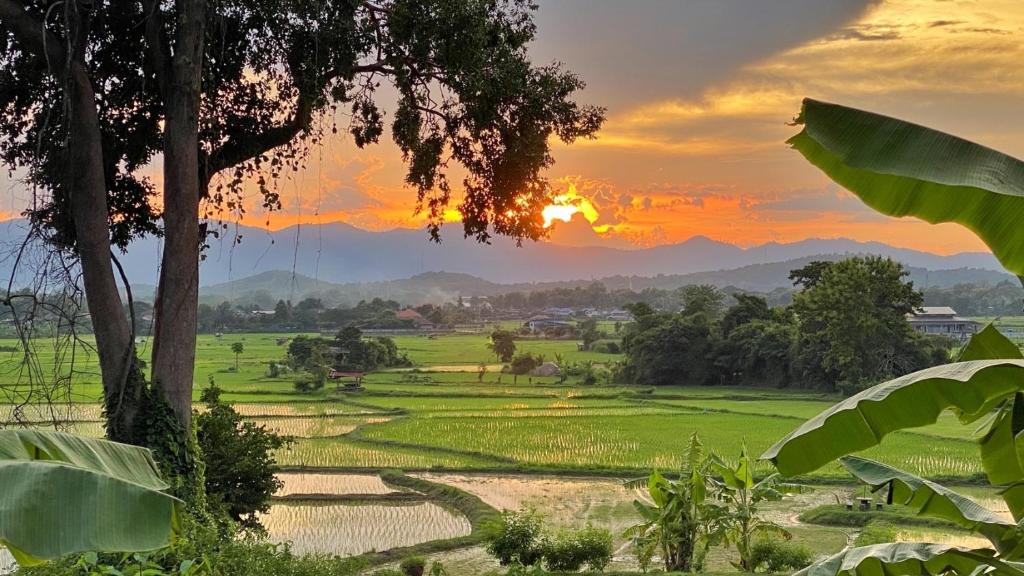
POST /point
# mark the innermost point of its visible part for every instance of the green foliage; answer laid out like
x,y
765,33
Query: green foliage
x,y
678,523
736,520
747,309
54,484
903,169
413,566
588,332
202,549
569,551
664,349
775,556
519,538
516,538
853,323
862,421
239,456
237,348
702,299
524,363
758,351
175,450
502,344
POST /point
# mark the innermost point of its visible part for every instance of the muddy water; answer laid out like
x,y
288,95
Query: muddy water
x,y
7,563
354,529
309,483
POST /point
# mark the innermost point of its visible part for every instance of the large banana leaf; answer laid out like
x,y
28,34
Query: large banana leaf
x,y
990,344
912,559
61,494
903,169
972,389
1002,443
930,499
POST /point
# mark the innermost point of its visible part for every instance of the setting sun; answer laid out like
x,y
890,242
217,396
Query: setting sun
x,y
561,212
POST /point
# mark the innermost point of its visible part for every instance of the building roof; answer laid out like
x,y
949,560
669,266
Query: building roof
x,y
408,314
935,311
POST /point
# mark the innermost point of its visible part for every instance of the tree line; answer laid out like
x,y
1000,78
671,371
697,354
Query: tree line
x,y
845,329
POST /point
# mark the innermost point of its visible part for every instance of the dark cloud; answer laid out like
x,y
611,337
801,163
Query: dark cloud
x,y
866,34
630,52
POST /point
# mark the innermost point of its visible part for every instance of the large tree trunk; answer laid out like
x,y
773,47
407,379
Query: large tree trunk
x,y
174,345
86,187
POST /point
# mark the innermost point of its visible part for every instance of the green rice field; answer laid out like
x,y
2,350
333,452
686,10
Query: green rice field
x,y
442,415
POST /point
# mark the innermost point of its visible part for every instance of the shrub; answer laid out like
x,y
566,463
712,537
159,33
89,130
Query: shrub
x,y
204,550
776,555
413,566
240,466
569,551
516,537
305,385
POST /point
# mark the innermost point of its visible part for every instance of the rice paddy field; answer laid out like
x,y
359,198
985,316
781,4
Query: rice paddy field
x,y
560,447
443,415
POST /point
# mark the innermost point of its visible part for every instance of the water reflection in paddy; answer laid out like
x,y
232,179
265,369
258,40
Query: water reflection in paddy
x,y
309,483
345,529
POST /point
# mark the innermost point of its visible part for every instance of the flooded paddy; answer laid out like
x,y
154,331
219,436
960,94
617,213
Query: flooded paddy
x,y
341,484
7,563
349,529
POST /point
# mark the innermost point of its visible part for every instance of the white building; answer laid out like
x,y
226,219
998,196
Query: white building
x,y
942,321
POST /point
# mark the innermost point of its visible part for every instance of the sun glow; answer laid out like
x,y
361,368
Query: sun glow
x,y
561,212
564,206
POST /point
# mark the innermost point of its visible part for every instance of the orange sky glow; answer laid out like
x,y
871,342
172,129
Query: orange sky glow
x,y
707,157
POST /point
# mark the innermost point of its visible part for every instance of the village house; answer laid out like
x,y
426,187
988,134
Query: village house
x,y
942,321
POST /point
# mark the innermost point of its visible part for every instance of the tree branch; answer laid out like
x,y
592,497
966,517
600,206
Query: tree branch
x,y
235,151
33,35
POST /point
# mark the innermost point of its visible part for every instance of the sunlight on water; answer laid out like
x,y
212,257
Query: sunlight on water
x,y
347,530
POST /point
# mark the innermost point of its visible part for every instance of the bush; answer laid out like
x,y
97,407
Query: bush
x,y
413,566
607,347
305,385
516,537
569,551
519,539
240,466
774,555
206,550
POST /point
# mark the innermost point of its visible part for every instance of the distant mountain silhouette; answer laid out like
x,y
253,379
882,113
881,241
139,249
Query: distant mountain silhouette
x,y
343,254
436,287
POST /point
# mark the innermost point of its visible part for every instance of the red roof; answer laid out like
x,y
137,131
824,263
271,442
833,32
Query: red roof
x,y
408,314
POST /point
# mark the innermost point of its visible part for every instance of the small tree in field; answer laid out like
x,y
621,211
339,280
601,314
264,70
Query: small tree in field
x,y
237,348
503,344
523,364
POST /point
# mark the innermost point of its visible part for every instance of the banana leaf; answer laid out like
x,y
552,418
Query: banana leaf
x,y
990,344
1002,442
63,494
927,498
971,389
903,169
912,559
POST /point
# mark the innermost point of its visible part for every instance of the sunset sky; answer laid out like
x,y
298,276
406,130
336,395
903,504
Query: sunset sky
x,y
698,95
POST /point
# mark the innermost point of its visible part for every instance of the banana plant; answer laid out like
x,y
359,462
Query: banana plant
x,y
62,494
675,521
738,522
902,169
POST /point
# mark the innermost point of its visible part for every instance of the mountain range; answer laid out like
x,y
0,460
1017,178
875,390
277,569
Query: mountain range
x,y
338,253
437,287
